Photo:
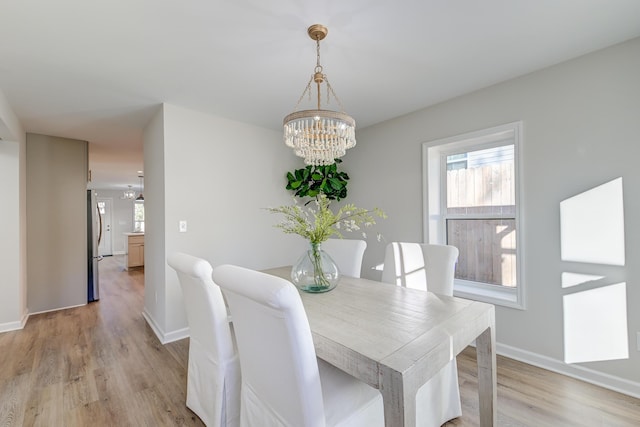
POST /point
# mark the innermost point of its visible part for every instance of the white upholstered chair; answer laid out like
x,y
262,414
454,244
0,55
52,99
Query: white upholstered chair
x,y
283,383
420,266
213,377
428,267
347,254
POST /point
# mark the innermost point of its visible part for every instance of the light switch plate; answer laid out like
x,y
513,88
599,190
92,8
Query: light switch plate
x,y
182,226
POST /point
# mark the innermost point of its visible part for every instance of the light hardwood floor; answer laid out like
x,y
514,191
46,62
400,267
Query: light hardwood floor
x,y
101,365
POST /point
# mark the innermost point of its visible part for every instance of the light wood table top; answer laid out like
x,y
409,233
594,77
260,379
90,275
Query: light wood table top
x,y
396,339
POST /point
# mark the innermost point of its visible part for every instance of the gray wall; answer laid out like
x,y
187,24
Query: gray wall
x,y
581,129
13,252
216,174
56,222
154,204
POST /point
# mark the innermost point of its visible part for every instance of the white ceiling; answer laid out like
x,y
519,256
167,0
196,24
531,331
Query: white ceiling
x,y
97,70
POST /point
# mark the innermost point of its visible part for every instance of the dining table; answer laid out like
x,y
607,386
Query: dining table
x,y
396,338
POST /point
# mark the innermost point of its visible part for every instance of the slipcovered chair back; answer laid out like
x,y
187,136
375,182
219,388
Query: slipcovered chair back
x,y
283,384
347,254
213,377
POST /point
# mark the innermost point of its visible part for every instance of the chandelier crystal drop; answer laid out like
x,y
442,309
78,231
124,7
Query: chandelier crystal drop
x,y
319,136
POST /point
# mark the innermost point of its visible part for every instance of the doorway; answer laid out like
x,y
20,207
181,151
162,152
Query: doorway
x,y
105,247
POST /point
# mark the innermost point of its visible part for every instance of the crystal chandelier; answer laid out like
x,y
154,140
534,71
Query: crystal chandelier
x,y
319,136
129,194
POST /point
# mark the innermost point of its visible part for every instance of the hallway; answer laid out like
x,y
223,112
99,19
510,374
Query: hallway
x,y
99,364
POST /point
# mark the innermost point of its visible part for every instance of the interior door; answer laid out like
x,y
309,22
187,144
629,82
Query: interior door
x,y
105,247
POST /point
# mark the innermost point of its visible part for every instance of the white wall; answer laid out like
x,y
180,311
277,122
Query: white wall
x,y
56,222
154,206
218,174
122,218
13,281
581,129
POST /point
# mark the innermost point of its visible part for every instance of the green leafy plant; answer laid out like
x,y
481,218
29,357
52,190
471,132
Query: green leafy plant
x,y
312,181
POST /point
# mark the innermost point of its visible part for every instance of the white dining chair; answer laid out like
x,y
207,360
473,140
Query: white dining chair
x,y
428,267
283,383
347,254
213,375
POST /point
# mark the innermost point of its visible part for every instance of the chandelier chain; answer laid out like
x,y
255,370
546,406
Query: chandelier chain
x,y
318,66
319,77
325,79
307,90
330,89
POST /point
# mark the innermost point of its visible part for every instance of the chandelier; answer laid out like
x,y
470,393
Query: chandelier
x,y
319,136
129,194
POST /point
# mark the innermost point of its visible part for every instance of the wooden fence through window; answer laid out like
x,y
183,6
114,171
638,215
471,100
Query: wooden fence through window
x,y
481,224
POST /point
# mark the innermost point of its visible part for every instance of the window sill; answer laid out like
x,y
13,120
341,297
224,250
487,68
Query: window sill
x,y
506,297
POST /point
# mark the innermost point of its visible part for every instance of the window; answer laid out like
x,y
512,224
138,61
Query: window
x,y
472,202
138,216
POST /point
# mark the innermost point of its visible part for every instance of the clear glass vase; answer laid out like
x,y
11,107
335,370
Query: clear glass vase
x,y
315,271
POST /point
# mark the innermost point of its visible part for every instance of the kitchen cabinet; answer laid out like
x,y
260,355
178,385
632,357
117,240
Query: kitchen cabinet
x,y
135,250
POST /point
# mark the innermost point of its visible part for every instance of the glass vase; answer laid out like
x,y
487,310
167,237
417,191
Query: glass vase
x,y
315,271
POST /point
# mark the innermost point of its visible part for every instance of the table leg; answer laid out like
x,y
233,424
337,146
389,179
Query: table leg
x,y
487,377
399,403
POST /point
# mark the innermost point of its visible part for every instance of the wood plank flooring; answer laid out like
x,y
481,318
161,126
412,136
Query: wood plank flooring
x,y
96,365
101,365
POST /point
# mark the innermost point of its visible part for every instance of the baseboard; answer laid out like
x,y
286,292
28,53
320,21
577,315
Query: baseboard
x,y
164,337
25,317
57,309
176,335
17,325
607,381
11,326
153,325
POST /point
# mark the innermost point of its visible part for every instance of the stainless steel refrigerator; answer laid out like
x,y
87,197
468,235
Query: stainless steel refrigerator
x,y
94,235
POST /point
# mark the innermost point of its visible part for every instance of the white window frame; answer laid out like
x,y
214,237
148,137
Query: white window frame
x,y
135,202
434,199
